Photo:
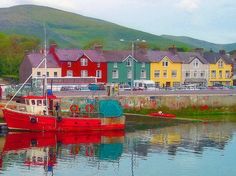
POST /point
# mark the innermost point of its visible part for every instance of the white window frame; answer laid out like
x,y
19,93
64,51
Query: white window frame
x,y
220,64
84,73
129,63
129,74
69,73
84,62
187,74
196,63
165,74
115,74
68,64
213,74
227,74
165,63
156,73
172,75
115,65
143,74
55,74
143,65
98,65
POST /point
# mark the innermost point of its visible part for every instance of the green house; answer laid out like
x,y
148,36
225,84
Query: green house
x,y
122,67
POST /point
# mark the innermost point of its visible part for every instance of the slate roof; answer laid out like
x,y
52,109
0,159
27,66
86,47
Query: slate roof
x,y
188,57
36,58
213,57
69,54
95,56
115,55
157,56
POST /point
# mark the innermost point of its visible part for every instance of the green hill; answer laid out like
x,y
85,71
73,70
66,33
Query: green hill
x,y
202,44
73,30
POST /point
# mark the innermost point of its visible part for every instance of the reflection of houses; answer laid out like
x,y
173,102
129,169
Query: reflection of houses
x,y
220,69
194,68
165,69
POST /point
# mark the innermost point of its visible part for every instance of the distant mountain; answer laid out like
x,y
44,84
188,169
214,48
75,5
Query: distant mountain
x,y
73,30
201,43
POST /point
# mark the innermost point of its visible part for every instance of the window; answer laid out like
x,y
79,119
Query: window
x,y
173,73
55,74
129,63
84,73
98,65
115,74
220,64
69,73
187,74
227,74
143,64
33,102
157,73
164,73
202,74
196,63
195,74
165,63
220,74
115,65
38,73
47,74
129,74
213,74
39,102
83,62
143,73
99,73
68,64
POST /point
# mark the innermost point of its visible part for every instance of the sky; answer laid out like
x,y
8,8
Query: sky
x,y
210,20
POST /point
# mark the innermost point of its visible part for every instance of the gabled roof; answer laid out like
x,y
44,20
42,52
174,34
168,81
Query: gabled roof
x,y
157,56
188,57
95,56
213,57
69,54
36,58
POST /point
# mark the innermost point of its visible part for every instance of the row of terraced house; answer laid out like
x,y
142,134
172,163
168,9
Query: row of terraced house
x,y
166,68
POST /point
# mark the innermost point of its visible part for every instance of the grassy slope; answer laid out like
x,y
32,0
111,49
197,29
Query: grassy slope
x,y
73,30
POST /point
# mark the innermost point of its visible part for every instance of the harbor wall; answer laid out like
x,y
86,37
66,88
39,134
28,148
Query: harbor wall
x,y
155,102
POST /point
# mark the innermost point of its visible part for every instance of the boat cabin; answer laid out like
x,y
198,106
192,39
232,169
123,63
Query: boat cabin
x,y
38,104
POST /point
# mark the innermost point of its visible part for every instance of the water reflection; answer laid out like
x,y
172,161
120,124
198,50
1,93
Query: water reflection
x,y
184,148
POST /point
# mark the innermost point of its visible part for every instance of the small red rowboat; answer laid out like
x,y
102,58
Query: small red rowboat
x,y
162,115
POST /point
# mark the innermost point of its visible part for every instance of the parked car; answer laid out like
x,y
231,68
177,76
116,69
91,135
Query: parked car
x,y
124,87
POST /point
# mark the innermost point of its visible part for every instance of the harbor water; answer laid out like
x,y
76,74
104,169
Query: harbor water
x,y
180,149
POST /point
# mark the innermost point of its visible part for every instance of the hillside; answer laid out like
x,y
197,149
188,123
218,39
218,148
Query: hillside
x,y
73,30
201,44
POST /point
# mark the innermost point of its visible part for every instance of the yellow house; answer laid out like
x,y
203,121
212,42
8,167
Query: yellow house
x,y
165,68
220,69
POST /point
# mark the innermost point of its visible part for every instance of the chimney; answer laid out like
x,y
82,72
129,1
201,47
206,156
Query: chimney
x,y
222,52
199,50
173,49
52,48
98,48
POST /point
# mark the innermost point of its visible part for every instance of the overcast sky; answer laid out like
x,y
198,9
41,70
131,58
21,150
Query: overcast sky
x,y
211,20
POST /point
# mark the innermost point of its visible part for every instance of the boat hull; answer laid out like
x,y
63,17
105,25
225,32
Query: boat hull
x,y
27,122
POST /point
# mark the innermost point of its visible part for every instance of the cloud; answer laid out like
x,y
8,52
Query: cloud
x,y
189,5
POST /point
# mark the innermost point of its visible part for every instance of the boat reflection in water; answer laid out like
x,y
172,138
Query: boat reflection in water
x,y
43,149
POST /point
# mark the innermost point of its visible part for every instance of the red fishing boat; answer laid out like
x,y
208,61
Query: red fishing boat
x,y
35,115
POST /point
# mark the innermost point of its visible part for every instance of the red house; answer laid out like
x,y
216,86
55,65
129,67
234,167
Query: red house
x,y
81,63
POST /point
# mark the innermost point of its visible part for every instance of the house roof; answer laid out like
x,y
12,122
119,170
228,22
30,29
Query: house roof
x,y
36,58
95,56
213,57
157,56
115,55
188,57
69,54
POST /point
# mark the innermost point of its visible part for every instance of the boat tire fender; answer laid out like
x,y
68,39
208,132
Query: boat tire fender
x,y
89,108
74,108
33,119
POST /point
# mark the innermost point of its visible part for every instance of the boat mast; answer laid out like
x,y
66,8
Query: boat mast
x,y
45,68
